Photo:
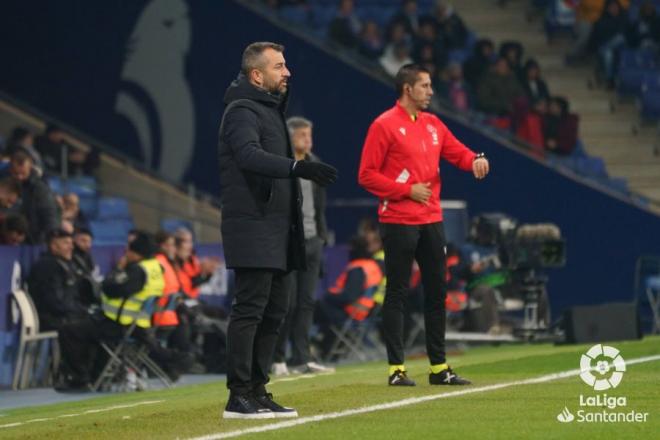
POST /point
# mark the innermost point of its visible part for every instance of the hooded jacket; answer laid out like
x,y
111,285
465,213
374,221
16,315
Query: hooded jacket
x,y
261,203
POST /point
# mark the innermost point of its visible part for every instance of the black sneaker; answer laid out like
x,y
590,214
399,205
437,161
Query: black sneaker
x,y
400,379
447,377
245,407
266,401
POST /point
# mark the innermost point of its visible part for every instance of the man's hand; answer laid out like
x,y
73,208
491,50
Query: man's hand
x,y
420,192
480,167
319,172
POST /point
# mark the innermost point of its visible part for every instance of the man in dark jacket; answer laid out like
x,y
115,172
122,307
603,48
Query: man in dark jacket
x,y
298,322
262,222
37,201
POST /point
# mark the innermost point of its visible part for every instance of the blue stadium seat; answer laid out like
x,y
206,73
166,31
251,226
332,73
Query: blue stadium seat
x,y
294,14
108,232
558,17
55,184
650,99
88,205
113,208
172,224
82,186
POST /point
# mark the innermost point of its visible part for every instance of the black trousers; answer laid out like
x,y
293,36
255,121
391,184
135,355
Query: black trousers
x,y
259,308
300,317
426,245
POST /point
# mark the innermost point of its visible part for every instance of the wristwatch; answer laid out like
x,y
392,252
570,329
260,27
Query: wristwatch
x,y
480,156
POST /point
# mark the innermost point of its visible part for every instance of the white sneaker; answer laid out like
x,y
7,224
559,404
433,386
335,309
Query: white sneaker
x,y
279,369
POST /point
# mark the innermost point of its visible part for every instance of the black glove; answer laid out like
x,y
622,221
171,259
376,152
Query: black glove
x,y
319,172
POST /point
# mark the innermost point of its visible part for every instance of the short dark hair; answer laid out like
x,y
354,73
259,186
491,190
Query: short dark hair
x,y
16,223
12,185
252,55
162,236
408,75
83,230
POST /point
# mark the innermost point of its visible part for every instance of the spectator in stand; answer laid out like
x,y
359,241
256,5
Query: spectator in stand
x,y
512,51
587,12
498,90
10,193
479,63
22,137
645,32
429,47
455,89
53,283
51,146
407,16
608,37
560,128
371,42
345,28
13,230
38,202
450,26
530,129
83,264
71,211
535,87
396,56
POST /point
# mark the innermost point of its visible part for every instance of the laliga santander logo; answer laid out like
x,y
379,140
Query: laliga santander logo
x,y
608,363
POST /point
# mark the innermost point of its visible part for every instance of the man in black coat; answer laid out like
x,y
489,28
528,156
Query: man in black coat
x,y
38,203
261,222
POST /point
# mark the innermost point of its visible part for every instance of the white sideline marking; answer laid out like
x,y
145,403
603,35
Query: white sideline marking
x,y
89,411
404,402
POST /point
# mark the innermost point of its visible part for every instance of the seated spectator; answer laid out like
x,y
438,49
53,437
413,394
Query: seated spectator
x,y
345,28
531,127
125,289
608,37
396,56
71,211
512,52
54,285
498,90
371,42
22,137
193,271
407,16
645,32
455,89
429,47
450,26
13,230
352,294
560,128
479,63
10,193
535,87
83,263
587,12
51,145
37,200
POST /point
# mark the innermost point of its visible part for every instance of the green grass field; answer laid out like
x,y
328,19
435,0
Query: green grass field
x,y
516,411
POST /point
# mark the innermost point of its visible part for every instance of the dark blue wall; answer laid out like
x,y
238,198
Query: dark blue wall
x,y
65,58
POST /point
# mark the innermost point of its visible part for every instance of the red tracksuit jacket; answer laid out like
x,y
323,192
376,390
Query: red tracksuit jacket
x,y
400,152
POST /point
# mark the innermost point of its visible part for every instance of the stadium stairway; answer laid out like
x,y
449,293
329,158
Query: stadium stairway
x,y
609,128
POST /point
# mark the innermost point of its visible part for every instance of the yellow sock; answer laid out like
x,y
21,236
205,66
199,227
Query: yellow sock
x,y
435,369
393,368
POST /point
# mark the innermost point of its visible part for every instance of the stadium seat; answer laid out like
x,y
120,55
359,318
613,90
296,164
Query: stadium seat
x,y
294,14
650,99
172,224
110,232
113,208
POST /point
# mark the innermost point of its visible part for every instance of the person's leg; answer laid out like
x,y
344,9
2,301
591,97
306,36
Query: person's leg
x,y
431,259
268,329
253,287
400,243
78,342
285,331
303,316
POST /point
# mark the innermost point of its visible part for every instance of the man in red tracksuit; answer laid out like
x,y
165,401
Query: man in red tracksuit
x,y
400,165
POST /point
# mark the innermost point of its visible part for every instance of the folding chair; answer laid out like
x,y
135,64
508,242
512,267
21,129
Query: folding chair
x,y
29,334
129,353
356,338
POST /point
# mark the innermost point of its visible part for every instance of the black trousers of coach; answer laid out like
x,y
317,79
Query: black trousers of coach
x,y
426,245
259,308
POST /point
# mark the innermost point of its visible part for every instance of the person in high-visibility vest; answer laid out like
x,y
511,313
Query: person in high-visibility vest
x,y
137,278
352,295
166,316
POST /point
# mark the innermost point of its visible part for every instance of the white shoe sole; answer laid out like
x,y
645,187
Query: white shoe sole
x,y
244,416
286,415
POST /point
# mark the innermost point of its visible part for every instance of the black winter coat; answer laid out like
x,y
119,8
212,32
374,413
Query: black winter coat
x,y
38,205
261,203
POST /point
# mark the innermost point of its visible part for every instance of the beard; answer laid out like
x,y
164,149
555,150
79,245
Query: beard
x,y
275,87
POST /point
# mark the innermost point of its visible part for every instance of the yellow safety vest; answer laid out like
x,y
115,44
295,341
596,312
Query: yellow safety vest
x,y
127,310
379,295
